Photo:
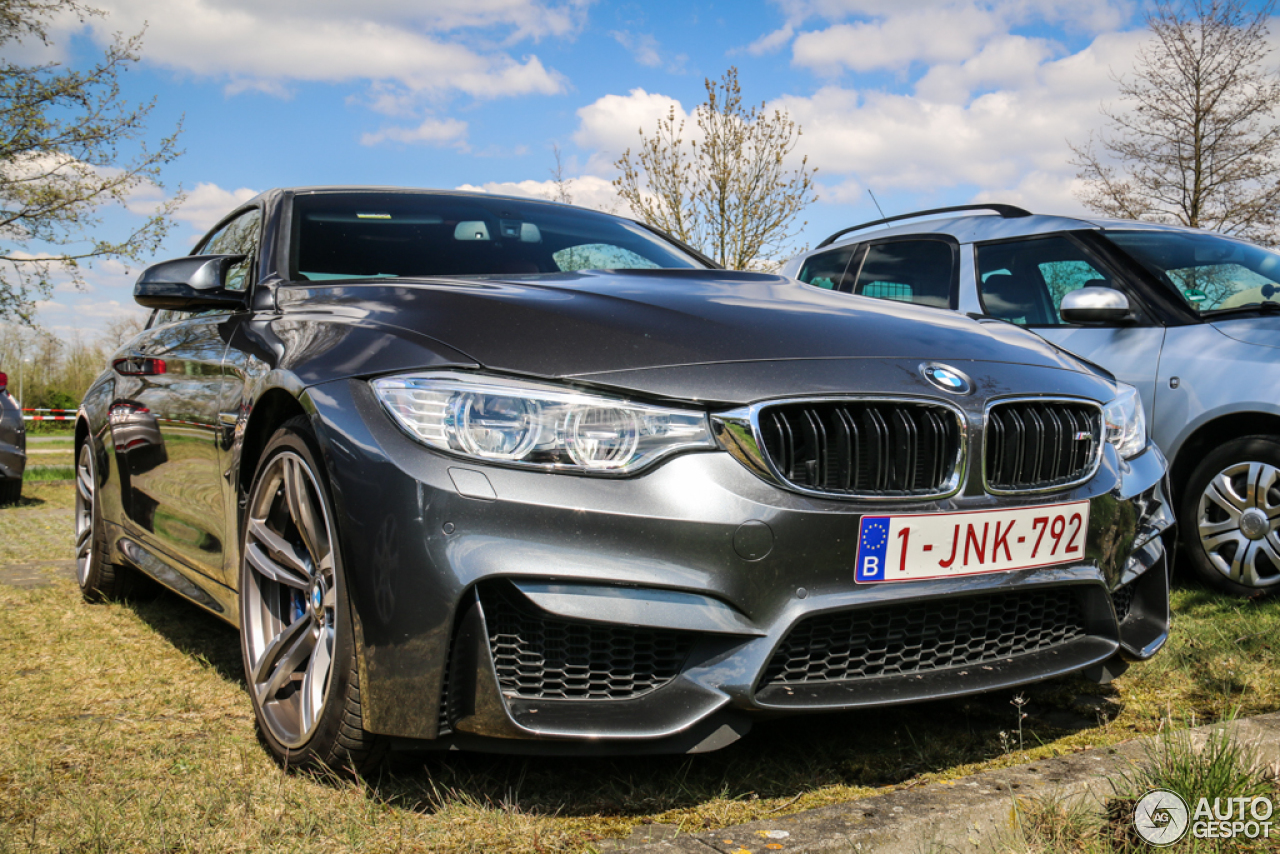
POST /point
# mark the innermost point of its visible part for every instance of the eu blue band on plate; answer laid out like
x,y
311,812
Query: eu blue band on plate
x,y
873,542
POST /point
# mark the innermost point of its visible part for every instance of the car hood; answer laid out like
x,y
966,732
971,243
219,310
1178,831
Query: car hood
x,y
595,322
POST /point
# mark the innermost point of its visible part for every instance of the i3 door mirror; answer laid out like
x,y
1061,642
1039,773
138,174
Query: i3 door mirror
x,y
193,283
1096,305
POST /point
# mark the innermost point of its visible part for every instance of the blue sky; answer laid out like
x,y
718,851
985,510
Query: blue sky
x,y
925,102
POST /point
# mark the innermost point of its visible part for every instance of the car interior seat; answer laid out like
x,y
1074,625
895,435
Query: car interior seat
x,y
1010,297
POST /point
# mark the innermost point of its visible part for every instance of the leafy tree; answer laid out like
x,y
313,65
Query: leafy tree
x,y
61,135
726,191
1198,143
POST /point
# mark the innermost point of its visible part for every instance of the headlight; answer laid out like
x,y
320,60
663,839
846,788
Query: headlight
x,y
540,426
1125,422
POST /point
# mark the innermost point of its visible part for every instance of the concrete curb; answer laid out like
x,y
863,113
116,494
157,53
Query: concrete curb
x,y
969,814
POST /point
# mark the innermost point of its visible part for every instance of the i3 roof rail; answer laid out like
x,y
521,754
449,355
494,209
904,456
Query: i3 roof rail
x,y
1006,211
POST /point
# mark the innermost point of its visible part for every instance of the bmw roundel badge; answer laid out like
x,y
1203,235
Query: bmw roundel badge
x,y
947,379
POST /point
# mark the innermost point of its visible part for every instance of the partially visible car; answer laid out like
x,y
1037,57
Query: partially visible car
x,y
470,471
13,445
1189,317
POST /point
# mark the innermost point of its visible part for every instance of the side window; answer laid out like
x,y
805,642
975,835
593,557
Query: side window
x,y
916,271
1024,281
826,270
238,237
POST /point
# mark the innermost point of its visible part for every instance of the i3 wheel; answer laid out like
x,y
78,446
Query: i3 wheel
x,y
98,579
1231,516
296,626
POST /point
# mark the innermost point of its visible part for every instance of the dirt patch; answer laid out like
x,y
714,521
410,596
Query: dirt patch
x,y
40,573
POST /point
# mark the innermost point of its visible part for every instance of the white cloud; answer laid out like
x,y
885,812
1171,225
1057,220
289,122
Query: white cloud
x,y
1042,192
643,47
588,191
207,203
87,319
771,42
937,139
1096,15
944,35
1008,62
612,124
264,46
524,18
646,50
862,35
430,132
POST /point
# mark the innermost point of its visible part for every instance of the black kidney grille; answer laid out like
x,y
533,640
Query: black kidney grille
x,y
1034,445
863,447
541,656
916,637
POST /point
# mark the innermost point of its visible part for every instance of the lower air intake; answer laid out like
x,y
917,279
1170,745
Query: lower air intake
x,y
541,656
911,638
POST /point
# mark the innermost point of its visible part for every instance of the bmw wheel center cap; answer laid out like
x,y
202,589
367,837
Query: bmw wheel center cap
x,y
946,378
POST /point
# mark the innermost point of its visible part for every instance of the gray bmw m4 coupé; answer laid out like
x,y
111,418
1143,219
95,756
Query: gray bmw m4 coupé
x,y
501,474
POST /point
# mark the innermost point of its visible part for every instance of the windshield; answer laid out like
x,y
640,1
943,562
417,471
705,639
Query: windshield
x,y
1210,273
367,235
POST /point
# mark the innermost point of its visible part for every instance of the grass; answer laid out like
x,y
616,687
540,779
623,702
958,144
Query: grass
x,y
51,428
45,473
125,726
1220,768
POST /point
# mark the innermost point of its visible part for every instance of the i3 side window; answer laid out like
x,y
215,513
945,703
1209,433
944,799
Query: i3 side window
x,y
914,271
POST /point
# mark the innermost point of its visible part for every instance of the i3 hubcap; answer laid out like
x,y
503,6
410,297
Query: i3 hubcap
x,y
1239,523
1254,523
289,598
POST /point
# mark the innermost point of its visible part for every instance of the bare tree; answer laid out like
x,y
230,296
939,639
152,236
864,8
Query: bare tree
x,y
63,138
1194,140
120,330
563,187
727,190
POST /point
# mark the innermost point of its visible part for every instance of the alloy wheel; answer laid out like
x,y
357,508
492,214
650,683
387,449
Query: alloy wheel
x,y
290,598
85,495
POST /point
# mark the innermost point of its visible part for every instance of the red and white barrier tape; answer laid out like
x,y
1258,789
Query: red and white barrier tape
x,y
58,415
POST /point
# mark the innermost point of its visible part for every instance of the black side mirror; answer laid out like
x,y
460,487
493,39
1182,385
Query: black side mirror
x,y
1096,305
193,283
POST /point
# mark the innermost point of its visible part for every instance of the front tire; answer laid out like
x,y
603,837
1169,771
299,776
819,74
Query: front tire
x,y
1230,517
296,625
98,579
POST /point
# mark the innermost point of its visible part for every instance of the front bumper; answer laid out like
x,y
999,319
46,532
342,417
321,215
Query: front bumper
x,y
663,612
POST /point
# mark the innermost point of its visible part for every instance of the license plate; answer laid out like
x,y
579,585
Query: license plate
x,y
946,545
